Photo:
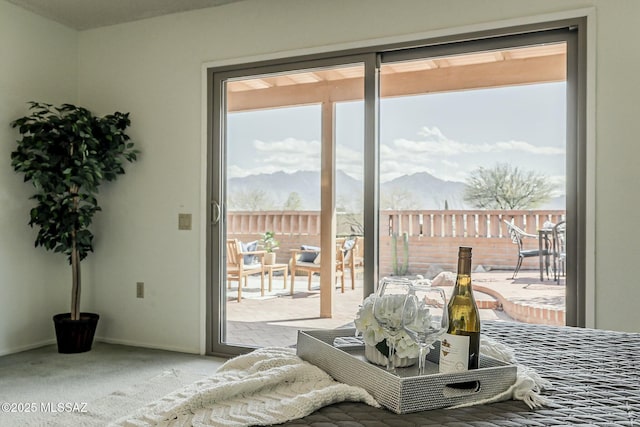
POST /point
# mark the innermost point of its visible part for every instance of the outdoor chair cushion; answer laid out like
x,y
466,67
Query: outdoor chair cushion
x,y
308,256
249,247
347,246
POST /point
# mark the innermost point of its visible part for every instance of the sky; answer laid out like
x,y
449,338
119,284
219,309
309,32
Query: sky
x,y
445,134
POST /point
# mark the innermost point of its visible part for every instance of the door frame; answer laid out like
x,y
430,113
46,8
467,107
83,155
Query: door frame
x,y
216,225
582,20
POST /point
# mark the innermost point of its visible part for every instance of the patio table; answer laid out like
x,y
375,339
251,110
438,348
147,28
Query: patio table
x,y
544,245
594,374
270,268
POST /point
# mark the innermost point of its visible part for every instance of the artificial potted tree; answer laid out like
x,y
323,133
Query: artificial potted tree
x,y
66,153
269,244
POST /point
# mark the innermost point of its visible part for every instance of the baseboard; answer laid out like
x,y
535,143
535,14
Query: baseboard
x,y
27,347
6,352
146,345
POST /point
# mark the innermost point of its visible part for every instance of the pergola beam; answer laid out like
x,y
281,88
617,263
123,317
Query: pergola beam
x,y
542,69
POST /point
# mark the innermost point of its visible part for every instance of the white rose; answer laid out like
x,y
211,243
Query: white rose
x,y
372,333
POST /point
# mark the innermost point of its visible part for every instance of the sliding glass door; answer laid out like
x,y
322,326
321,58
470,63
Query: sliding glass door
x,y
382,163
290,194
469,142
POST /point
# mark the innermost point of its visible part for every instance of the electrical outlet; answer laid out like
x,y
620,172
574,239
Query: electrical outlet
x,y
184,221
140,290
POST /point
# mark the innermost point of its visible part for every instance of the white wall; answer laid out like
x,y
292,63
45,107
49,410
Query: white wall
x,y
38,62
152,68
618,174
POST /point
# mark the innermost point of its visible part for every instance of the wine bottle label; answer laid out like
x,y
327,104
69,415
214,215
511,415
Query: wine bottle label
x,y
454,353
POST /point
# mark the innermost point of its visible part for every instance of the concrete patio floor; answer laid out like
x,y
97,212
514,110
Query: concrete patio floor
x,y
274,320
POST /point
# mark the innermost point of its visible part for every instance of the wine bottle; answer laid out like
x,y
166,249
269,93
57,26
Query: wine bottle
x,y
460,346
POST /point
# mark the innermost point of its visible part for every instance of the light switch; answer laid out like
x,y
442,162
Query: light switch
x,y
184,221
139,289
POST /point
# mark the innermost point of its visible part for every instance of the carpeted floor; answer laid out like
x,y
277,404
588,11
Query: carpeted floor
x,y
44,388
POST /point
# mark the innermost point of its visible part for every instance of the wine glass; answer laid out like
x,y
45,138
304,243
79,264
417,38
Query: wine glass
x,y
387,310
425,318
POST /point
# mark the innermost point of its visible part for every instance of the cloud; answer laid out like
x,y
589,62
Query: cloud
x,y
450,164
434,153
436,143
289,145
451,171
432,133
525,147
452,160
350,161
292,154
288,155
560,184
234,171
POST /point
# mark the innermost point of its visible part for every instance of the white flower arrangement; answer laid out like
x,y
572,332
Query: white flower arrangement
x,y
373,334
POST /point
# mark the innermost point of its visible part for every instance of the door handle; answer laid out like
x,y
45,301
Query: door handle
x,y
215,208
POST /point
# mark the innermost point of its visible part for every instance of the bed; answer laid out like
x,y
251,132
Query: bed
x,y
595,376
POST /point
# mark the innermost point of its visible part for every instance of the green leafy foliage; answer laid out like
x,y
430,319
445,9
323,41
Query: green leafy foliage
x,y
268,241
66,153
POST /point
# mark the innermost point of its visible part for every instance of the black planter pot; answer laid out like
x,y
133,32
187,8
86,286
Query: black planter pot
x,y
75,336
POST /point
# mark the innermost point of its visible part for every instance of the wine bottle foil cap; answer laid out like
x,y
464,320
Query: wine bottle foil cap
x,y
464,251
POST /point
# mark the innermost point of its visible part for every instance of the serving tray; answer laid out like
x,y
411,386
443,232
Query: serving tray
x,y
405,391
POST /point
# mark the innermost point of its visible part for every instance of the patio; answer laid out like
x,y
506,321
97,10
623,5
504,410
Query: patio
x,y
274,320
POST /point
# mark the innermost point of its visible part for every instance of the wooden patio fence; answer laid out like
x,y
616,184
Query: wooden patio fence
x,y
432,236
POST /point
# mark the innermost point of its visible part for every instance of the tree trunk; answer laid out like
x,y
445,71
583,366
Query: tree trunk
x,y
75,278
75,259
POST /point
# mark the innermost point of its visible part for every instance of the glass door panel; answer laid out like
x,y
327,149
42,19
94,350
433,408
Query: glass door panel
x,y
293,169
350,198
299,152
468,142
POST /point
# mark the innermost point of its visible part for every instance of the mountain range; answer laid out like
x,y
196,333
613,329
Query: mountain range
x,y
416,191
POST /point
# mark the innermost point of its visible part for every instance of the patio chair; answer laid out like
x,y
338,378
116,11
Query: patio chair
x,y
354,258
517,234
559,250
308,259
238,271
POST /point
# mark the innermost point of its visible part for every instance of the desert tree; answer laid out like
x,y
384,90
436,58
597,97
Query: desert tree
x,y
250,200
507,187
293,202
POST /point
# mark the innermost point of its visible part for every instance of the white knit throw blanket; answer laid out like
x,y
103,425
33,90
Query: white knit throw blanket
x,y
272,385
528,383
267,386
